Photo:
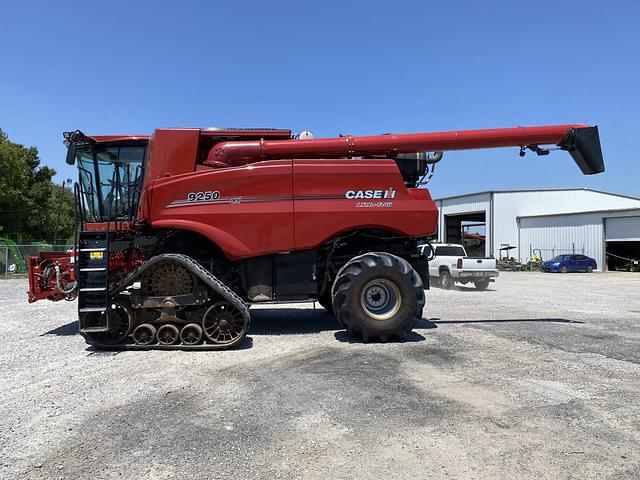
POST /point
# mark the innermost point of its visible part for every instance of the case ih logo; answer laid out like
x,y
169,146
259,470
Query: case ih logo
x,y
357,194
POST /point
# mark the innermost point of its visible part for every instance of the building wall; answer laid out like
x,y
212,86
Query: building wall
x,y
508,206
582,233
503,211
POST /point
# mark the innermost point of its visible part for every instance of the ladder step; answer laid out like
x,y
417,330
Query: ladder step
x,y
93,289
92,309
93,269
94,329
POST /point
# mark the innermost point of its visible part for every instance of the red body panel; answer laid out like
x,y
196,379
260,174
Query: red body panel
x,y
172,152
254,213
252,216
323,211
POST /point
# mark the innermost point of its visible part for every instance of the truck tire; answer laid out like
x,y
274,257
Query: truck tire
x,y
446,281
378,296
481,283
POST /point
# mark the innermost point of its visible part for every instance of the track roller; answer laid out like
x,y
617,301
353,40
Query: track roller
x,y
168,334
191,334
144,334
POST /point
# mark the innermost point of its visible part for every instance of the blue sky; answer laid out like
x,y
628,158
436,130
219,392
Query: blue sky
x,y
332,67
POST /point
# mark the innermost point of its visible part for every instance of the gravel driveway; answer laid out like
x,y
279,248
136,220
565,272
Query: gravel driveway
x,y
537,377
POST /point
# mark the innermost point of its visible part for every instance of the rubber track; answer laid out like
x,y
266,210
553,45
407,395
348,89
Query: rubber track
x,y
207,277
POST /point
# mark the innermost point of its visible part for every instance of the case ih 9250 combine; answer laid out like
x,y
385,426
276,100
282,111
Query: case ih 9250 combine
x,y
180,231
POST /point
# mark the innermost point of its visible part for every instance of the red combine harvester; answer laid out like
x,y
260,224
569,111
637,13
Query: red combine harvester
x,y
180,231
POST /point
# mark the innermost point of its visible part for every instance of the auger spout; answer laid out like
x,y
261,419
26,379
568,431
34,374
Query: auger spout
x,y
581,140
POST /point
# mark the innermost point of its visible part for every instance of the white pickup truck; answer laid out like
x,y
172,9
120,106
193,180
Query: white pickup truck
x,y
451,264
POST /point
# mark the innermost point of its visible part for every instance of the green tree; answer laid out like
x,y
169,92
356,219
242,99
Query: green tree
x,y
30,203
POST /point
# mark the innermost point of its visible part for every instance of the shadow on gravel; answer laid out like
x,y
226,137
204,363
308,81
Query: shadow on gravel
x,y
107,351
512,320
427,323
70,328
344,336
462,288
291,321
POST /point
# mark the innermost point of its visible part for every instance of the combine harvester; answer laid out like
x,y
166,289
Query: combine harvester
x,y
180,231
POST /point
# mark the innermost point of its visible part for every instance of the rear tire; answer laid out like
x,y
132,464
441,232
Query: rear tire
x,y
378,296
446,281
481,284
589,269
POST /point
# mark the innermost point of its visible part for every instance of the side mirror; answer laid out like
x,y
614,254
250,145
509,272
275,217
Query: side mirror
x,y
71,153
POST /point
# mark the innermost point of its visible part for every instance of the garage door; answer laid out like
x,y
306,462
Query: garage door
x,y
623,229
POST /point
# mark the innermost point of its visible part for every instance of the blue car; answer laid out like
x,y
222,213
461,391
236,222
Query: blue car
x,y
569,263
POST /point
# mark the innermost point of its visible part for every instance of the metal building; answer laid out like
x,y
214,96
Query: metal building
x,y
520,223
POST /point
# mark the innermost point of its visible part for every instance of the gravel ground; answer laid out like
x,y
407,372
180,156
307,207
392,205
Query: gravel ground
x,y
538,377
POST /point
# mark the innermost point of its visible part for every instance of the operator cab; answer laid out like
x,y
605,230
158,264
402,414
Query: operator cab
x,y
110,175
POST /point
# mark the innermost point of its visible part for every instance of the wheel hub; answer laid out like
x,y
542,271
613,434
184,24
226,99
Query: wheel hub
x,y
381,299
223,323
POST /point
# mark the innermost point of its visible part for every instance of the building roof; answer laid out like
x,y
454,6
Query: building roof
x,y
538,190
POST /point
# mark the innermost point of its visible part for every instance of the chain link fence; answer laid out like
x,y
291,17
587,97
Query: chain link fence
x,y
13,257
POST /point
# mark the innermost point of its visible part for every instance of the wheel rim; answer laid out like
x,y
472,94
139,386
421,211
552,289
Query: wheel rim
x,y
223,323
144,334
380,299
191,334
168,334
444,280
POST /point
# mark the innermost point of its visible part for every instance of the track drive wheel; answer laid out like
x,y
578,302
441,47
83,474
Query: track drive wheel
x,y
224,325
119,326
378,296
